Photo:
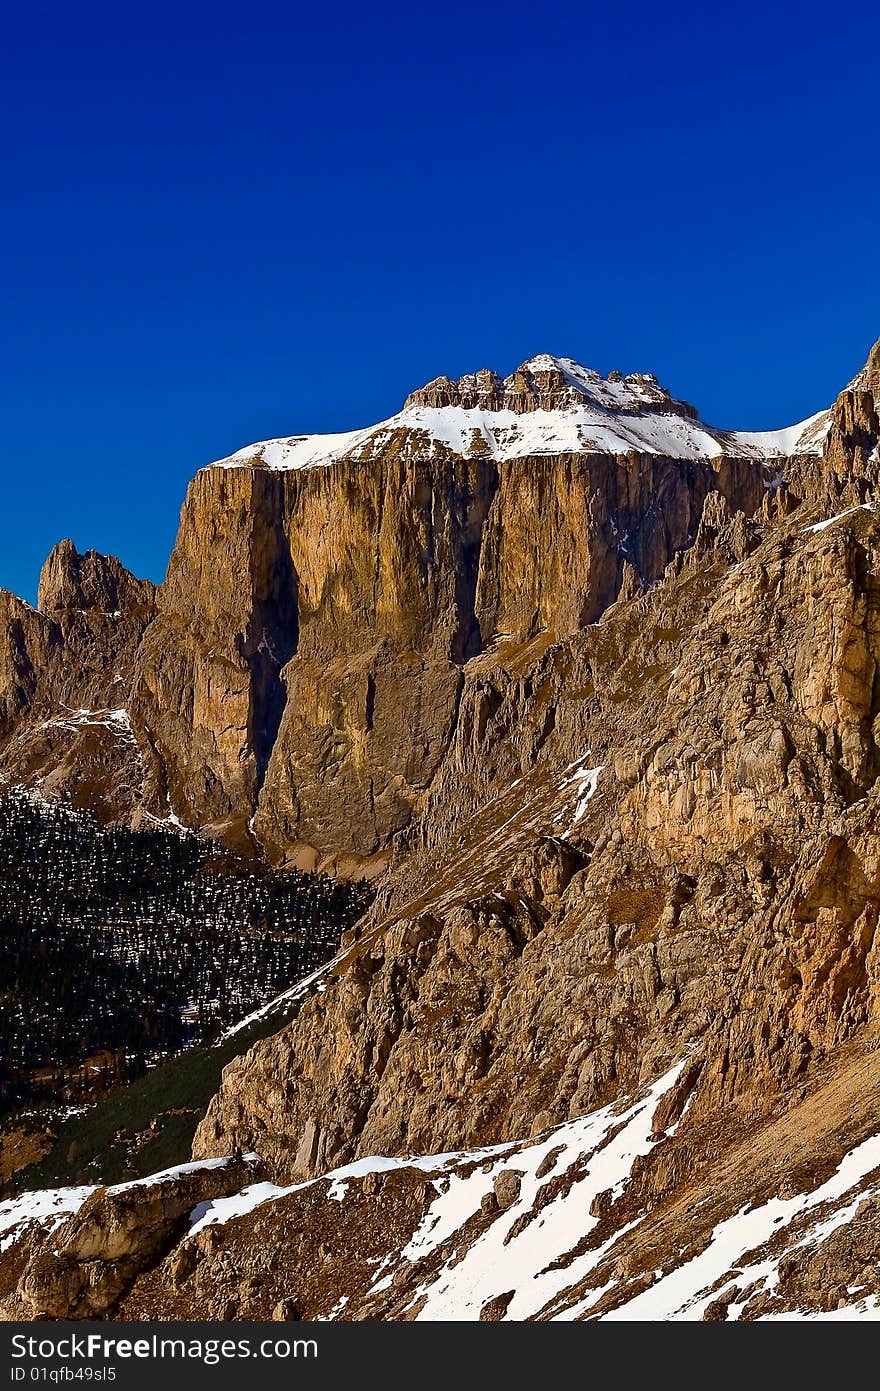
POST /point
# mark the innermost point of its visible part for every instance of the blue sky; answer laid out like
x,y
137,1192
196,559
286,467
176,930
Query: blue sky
x,y
224,222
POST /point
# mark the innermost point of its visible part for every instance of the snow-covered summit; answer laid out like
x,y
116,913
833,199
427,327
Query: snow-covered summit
x,y
549,405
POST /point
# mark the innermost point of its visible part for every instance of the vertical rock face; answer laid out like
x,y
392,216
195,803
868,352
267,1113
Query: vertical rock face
x,y
562,531
386,560
690,865
207,695
26,641
307,661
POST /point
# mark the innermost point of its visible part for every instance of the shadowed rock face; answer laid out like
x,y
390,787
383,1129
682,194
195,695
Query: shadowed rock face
x,y
386,557
207,695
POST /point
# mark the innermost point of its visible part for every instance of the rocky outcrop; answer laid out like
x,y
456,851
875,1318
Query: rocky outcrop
x,y
548,384
850,468
72,584
118,1233
66,675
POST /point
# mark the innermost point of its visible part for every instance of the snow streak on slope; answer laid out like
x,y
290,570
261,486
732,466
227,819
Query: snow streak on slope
x,y
500,435
839,516
222,1210
593,1153
118,721
862,1309
51,1206
685,1292
585,782
287,997
195,1166
518,1224
534,1252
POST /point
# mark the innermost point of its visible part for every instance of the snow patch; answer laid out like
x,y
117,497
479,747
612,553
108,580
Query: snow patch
x,y
684,1293
51,1206
220,1210
807,437
822,526
116,720
585,782
599,1149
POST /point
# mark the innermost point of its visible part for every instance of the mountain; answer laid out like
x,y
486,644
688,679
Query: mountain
x,y
296,680
548,406
591,690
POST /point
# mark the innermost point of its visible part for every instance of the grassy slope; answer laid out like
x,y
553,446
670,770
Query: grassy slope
x,y
146,1126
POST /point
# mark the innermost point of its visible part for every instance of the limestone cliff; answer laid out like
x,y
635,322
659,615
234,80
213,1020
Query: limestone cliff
x,y
207,695
304,675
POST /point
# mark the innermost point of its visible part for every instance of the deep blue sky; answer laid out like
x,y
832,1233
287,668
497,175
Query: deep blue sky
x,y
227,222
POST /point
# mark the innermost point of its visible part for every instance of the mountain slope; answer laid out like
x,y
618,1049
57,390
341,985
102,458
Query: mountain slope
x,y
625,1213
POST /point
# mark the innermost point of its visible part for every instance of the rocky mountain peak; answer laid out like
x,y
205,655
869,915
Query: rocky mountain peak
x,y
74,582
869,377
550,383
549,405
